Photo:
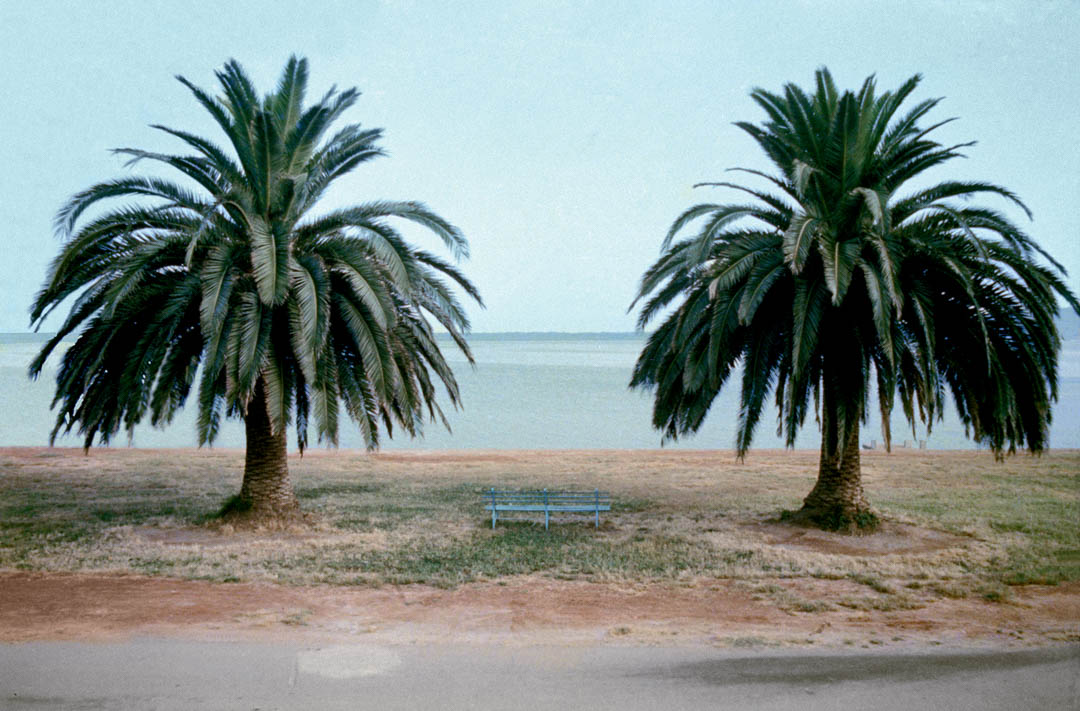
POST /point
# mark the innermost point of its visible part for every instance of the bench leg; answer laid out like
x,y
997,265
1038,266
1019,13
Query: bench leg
x,y
598,518
547,518
494,518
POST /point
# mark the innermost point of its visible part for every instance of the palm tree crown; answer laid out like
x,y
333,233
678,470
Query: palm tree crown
x,y
840,275
231,279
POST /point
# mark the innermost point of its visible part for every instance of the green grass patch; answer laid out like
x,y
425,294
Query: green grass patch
x,y
337,490
675,518
874,583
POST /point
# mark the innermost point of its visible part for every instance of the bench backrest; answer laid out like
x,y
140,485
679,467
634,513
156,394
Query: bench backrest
x,y
540,497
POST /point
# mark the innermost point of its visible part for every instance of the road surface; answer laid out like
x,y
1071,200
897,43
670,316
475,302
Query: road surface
x,y
165,674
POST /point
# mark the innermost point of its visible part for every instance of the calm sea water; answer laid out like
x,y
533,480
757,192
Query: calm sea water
x,y
527,391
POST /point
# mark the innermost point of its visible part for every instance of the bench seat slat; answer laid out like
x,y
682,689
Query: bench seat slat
x,y
550,507
531,495
548,502
553,502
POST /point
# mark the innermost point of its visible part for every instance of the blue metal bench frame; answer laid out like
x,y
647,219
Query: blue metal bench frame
x,y
501,500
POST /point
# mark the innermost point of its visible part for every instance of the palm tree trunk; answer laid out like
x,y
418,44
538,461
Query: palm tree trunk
x,y
837,499
266,492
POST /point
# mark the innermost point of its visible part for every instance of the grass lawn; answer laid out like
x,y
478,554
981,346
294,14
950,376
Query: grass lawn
x,y
957,524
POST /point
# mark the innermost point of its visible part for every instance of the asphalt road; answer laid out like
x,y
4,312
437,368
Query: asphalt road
x,y
169,674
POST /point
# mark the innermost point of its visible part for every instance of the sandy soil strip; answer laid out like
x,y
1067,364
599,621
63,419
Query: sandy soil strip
x,y
526,611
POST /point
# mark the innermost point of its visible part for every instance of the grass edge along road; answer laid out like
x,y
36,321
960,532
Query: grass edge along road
x,y
958,525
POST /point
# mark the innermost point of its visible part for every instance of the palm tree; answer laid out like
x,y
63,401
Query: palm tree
x,y
231,278
839,275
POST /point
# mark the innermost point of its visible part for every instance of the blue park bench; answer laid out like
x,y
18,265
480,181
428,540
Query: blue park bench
x,y
499,501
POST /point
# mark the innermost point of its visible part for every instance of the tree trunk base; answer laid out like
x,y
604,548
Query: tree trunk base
x,y
837,502
240,513
266,498
841,519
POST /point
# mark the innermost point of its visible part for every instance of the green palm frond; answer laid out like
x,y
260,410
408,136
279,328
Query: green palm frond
x,y
228,271
856,286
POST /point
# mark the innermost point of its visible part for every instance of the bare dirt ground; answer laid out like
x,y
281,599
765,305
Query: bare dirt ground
x,y
529,610
532,609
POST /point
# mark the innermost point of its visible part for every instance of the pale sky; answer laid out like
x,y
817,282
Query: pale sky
x,y
562,137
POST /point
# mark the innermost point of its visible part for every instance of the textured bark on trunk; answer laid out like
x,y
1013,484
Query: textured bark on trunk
x,y
839,482
837,499
266,491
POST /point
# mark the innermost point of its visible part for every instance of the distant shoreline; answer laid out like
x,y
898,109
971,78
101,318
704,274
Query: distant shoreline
x,y
1068,324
